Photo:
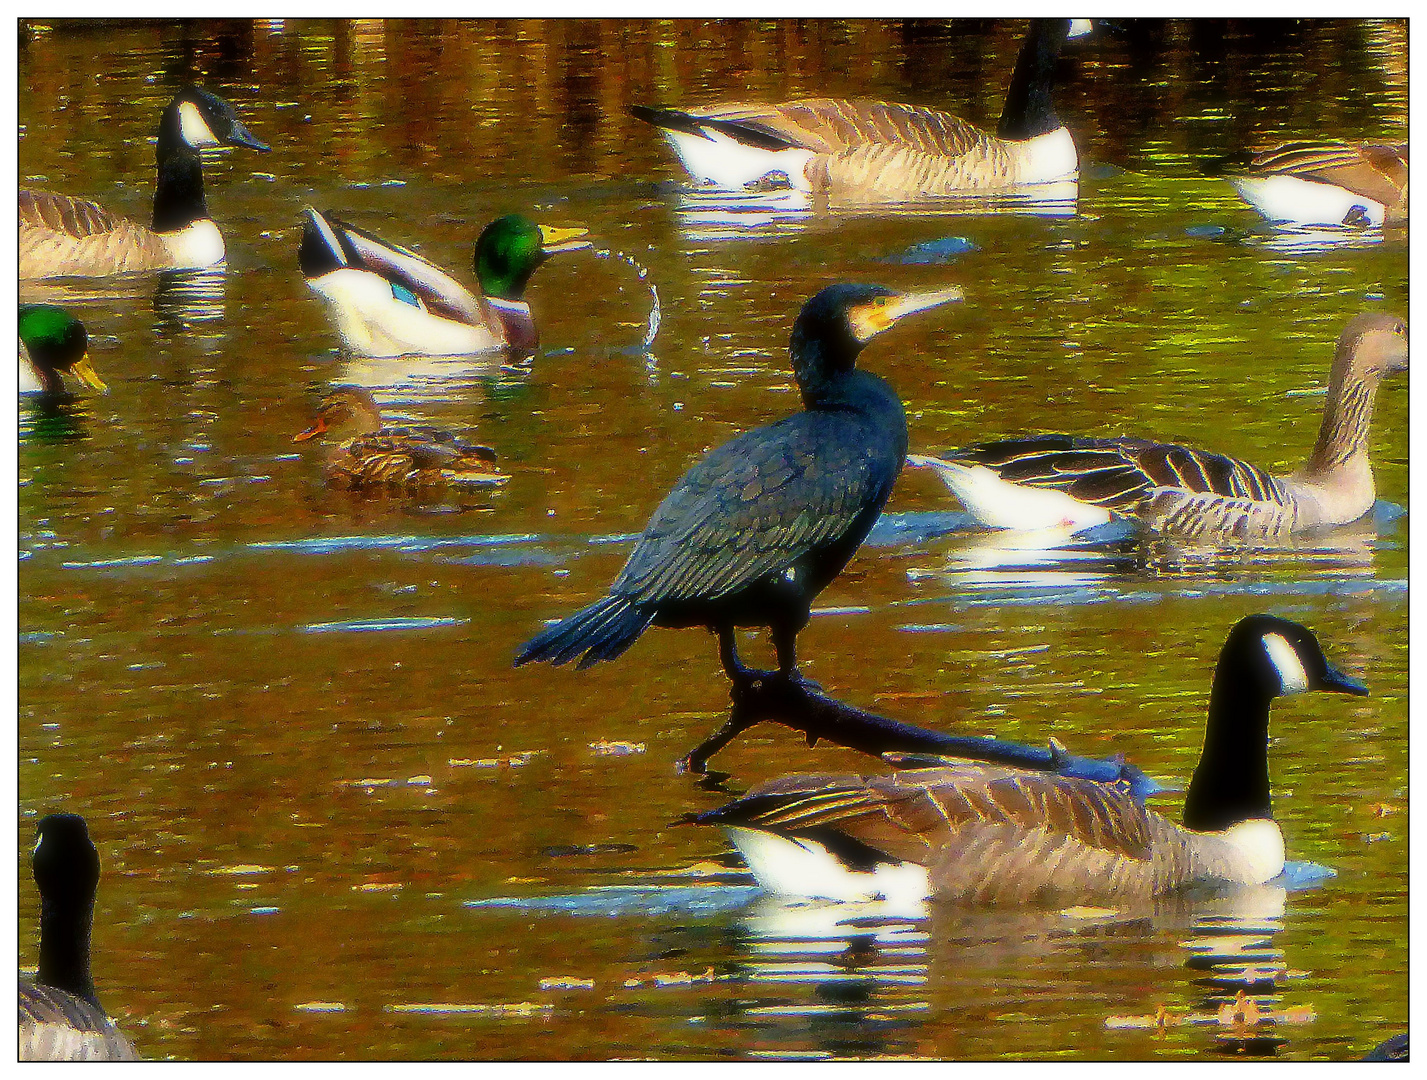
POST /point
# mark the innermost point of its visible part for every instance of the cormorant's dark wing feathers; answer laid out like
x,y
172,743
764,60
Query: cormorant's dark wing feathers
x,y
753,507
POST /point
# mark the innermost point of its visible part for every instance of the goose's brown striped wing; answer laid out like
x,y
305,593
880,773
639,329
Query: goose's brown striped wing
x,y
1121,474
756,505
828,125
61,236
62,214
57,1026
1377,171
926,815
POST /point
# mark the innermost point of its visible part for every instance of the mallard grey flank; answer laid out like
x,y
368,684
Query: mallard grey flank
x,y
988,834
864,151
1323,182
386,300
53,343
60,1015
1042,481
61,236
370,454
753,532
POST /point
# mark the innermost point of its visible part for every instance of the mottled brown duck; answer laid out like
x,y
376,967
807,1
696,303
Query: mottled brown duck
x,y
368,455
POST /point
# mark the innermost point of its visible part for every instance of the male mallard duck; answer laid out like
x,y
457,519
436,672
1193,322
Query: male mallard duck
x,y
1327,183
60,1015
753,532
1047,480
991,834
875,151
389,301
410,458
52,341
63,237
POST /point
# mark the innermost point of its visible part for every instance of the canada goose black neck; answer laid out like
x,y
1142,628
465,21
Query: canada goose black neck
x,y
66,867
178,194
1263,657
1029,110
1230,782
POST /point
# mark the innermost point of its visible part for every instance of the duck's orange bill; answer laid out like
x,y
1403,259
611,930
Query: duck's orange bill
x,y
317,428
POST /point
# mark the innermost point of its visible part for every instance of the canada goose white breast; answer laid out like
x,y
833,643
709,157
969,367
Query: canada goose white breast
x,y
197,244
1044,159
373,320
1293,200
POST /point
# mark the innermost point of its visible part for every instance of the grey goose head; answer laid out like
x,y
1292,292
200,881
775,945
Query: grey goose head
x,y
1374,345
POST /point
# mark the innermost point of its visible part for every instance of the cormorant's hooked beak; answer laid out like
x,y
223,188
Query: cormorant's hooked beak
x,y
871,318
86,374
318,427
556,241
1335,680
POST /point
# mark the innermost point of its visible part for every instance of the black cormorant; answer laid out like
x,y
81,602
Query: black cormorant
x,y
760,526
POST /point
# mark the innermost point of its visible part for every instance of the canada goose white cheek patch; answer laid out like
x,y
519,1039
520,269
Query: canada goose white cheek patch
x,y
194,128
1292,677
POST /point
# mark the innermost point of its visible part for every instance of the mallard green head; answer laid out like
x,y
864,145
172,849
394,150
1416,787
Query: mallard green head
x,y
510,248
56,341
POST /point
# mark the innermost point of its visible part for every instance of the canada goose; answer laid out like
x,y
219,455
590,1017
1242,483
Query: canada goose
x,y
865,151
388,301
53,342
753,532
1326,183
62,236
60,1015
1044,480
372,455
990,834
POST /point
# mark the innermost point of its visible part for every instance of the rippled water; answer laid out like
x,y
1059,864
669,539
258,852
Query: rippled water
x,y
336,823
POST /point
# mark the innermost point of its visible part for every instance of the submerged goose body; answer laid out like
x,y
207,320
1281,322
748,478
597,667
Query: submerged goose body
x,y
1048,480
1327,183
989,834
62,236
385,300
876,151
53,343
371,455
60,1015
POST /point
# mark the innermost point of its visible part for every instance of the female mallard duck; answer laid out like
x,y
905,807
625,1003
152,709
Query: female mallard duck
x,y
1047,480
1327,183
66,237
407,458
991,834
875,151
60,1015
53,342
388,301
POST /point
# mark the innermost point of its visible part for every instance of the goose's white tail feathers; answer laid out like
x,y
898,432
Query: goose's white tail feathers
x,y
802,867
725,161
1296,201
1000,504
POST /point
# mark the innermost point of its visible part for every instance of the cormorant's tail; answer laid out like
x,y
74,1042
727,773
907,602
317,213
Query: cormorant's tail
x,y
601,631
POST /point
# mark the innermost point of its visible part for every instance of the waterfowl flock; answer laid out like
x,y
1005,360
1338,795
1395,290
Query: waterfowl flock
x,y
762,524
